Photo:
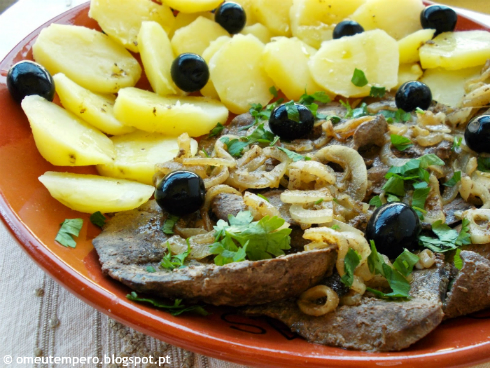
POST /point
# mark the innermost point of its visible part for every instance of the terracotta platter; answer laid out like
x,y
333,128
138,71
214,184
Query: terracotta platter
x,y
34,218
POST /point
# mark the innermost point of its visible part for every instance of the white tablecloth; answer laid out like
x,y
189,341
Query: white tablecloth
x,y
40,318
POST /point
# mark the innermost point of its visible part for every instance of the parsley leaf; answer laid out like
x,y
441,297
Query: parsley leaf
x,y
293,155
355,113
454,180
395,185
376,202
175,310
398,116
98,219
377,91
216,130
405,262
484,164
235,146
292,111
419,197
458,262
69,229
170,262
320,201
359,78
259,135
150,269
309,101
392,198
418,110
398,283
263,197
243,237
447,238
335,227
457,144
273,91
351,261
168,225
401,143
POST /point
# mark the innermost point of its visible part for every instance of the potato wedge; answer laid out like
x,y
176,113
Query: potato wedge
x,y
409,46
274,14
237,74
121,19
313,21
286,63
184,19
89,58
92,193
332,67
157,57
447,86
258,30
197,36
408,72
209,90
192,6
456,50
93,108
171,116
138,153
62,138
397,18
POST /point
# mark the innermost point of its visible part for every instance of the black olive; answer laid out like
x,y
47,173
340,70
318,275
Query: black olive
x,y
347,28
438,17
190,72
291,125
412,95
180,193
231,17
28,78
393,227
477,134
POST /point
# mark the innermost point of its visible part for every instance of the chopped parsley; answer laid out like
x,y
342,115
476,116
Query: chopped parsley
x,y
458,262
263,197
259,135
355,113
216,130
68,230
351,261
454,180
376,202
170,262
151,269
398,116
400,142
168,225
333,118
457,144
394,275
309,102
235,146
359,78
320,201
175,310
98,219
335,227
273,91
293,155
484,164
392,198
447,238
418,110
292,111
241,238
377,91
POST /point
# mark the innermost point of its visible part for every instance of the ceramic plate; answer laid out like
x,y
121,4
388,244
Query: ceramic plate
x,y
34,218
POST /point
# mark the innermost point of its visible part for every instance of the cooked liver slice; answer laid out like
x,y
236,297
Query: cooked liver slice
x,y
374,325
431,283
225,204
470,290
132,240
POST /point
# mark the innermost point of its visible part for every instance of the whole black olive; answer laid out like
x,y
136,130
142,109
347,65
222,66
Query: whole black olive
x,y
477,134
438,17
190,72
413,94
291,121
231,17
347,28
393,227
180,193
28,78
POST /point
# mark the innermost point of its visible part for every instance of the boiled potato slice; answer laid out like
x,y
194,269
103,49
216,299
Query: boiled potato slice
x,y
237,73
408,72
121,19
286,62
373,52
197,36
157,57
138,153
313,21
456,50
93,108
62,138
409,46
274,14
192,6
184,19
171,116
92,193
398,18
260,31
447,86
247,6
209,90
89,58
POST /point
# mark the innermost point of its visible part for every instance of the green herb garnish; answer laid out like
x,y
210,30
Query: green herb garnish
x,y
401,143
484,164
168,225
359,78
398,116
376,202
293,155
458,261
150,269
98,219
457,144
68,230
351,261
377,91
418,110
216,130
273,91
447,238
175,310
263,197
454,180
170,261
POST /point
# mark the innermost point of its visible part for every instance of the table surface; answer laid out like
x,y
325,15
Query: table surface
x,y
40,318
